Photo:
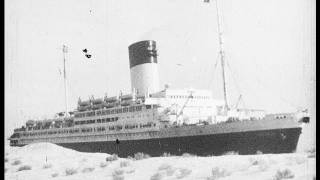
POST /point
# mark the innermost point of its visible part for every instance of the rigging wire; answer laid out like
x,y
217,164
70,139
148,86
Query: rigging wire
x,y
214,71
236,84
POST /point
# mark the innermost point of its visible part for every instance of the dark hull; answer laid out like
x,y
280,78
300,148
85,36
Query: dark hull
x,y
267,141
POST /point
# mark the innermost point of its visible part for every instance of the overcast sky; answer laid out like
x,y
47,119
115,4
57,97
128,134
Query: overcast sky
x,y
269,46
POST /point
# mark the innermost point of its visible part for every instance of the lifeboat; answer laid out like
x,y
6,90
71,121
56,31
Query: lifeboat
x,y
126,97
83,108
126,103
84,103
30,122
97,101
111,99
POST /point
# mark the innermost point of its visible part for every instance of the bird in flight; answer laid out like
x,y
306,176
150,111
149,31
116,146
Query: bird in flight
x,y
86,53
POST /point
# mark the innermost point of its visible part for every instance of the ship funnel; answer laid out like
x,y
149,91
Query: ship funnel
x,y
144,67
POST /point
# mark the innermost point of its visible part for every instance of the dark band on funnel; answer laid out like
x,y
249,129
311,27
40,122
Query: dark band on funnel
x,y
142,52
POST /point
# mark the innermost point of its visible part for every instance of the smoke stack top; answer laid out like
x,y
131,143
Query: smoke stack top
x,y
142,52
144,67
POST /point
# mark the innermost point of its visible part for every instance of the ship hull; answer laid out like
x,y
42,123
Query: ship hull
x,y
266,141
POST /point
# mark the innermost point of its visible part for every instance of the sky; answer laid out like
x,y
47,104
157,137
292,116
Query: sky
x,y
269,51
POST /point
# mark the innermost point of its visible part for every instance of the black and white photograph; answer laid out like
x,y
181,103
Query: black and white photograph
x,y
160,90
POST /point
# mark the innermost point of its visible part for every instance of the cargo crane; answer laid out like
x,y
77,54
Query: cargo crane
x,y
184,105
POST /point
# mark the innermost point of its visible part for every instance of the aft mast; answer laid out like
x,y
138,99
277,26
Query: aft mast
x,y
221,52
65,51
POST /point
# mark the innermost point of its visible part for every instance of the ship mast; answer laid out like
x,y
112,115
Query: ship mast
x,y
65,51
221,52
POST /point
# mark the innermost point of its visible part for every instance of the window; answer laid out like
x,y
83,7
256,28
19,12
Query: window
x,y
104,112
131,109
148,106
101,129
90,113
130,126
138,108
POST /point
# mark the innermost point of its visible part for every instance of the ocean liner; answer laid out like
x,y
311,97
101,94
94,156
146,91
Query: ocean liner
x,y
156,120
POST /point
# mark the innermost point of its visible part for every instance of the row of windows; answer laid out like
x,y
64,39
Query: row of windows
x,y
131,126
114,135
98,129
105,120
281,117
111,111
194,97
